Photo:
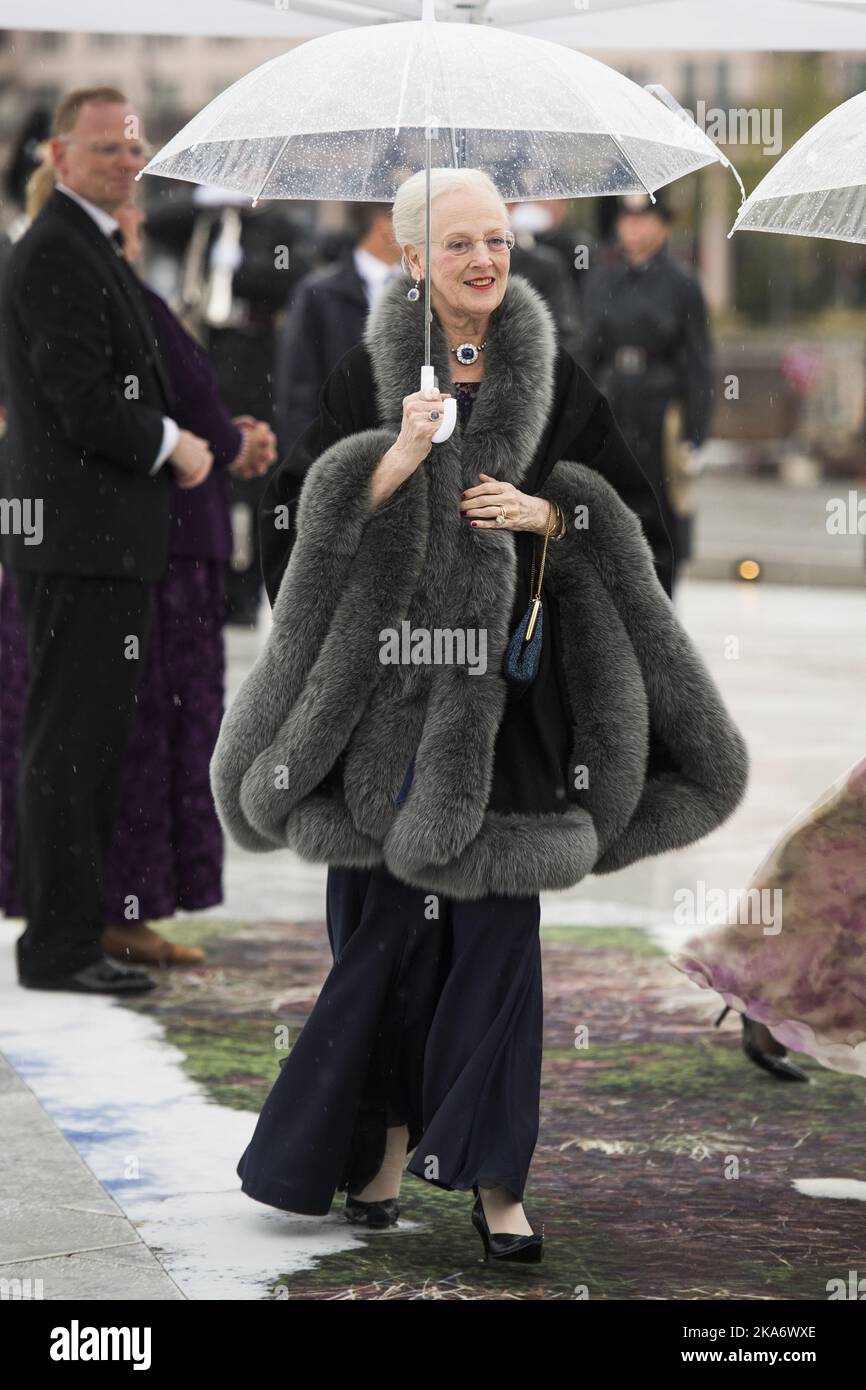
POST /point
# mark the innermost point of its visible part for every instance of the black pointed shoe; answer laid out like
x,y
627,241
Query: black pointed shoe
x,y
376,1215
773,1062
102,977
502,1245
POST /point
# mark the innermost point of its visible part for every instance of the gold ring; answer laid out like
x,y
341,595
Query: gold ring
x,y
501,518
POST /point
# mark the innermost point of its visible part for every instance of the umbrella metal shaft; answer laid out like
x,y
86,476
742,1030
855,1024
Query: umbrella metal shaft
x,y
427,143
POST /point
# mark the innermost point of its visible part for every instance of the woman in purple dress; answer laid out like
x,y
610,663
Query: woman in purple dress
x,y
167,846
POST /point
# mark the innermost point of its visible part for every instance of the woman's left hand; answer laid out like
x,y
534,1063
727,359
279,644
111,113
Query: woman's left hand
x,y
523,512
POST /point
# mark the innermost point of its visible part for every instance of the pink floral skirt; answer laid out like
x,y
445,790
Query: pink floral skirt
x,y
806,979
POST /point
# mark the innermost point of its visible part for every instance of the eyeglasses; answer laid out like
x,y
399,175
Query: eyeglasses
x,y
497,244
134,148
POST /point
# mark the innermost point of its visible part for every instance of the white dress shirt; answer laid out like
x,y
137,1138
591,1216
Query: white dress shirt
x,y
108,224
374,273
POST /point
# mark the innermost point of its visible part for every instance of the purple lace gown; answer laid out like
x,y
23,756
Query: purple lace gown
x,y
167,846
805,977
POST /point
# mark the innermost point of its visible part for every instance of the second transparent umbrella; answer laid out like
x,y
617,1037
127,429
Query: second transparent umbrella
x,y
818,187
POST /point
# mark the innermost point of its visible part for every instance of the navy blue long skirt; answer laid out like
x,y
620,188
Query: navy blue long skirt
x,y
431,1016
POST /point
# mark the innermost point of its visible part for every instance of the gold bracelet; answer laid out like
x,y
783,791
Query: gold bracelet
x,y
561,526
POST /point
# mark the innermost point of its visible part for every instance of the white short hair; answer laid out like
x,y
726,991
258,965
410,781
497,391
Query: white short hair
x,y
408,212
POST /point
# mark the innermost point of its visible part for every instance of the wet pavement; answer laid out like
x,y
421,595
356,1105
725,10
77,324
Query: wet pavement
x,y
139,1111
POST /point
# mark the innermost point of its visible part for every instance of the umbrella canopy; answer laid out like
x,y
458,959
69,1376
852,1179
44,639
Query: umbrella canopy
x,y
346,116
351,115
818,188
712,25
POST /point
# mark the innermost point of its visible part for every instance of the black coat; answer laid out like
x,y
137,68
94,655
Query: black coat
x,y
326,317
554,278
657,308
86,393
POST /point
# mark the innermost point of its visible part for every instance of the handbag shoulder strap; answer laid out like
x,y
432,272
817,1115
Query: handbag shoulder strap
x,y
532,590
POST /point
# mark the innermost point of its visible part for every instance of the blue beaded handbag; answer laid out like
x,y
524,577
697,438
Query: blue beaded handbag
x,y
523,653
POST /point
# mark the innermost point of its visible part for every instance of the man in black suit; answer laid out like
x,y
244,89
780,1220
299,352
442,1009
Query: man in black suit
x,y
327,313
92,458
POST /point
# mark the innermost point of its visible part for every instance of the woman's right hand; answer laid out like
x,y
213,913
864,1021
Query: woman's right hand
x,y
417,430
412,444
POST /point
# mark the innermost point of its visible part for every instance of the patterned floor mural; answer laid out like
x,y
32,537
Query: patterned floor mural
x,y
638,1131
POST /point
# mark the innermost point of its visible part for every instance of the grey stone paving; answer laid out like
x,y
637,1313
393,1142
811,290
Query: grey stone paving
x,y
61,1235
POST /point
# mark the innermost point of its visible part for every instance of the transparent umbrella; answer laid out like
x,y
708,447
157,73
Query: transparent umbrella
x,y
818,188
352,114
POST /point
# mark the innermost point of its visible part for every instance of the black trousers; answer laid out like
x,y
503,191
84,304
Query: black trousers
x,y
84,674
432,1016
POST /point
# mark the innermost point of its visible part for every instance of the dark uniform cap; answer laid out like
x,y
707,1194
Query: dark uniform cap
x,y
641,202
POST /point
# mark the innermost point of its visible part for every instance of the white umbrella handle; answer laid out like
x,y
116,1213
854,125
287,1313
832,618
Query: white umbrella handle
x,y
449,406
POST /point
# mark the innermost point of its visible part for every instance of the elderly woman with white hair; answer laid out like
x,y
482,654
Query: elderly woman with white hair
x,y
446,788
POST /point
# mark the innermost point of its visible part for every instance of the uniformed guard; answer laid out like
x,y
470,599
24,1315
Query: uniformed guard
x,y
646,343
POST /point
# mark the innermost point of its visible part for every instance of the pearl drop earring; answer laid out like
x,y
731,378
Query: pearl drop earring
x,y
414,293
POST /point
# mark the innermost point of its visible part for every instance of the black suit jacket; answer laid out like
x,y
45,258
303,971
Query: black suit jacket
x,y
553,278
86,392
326,317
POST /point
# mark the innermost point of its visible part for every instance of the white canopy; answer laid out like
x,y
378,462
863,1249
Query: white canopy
x,y
347,116
817,188
691,25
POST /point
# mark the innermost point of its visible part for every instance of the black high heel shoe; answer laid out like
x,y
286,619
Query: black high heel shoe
x,y
501,1245
376,1215
774,1063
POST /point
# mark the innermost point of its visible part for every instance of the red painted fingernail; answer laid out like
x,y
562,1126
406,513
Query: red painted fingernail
x,y
473,523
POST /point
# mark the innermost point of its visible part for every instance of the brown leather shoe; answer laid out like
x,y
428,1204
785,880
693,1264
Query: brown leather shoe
x,y
140,942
